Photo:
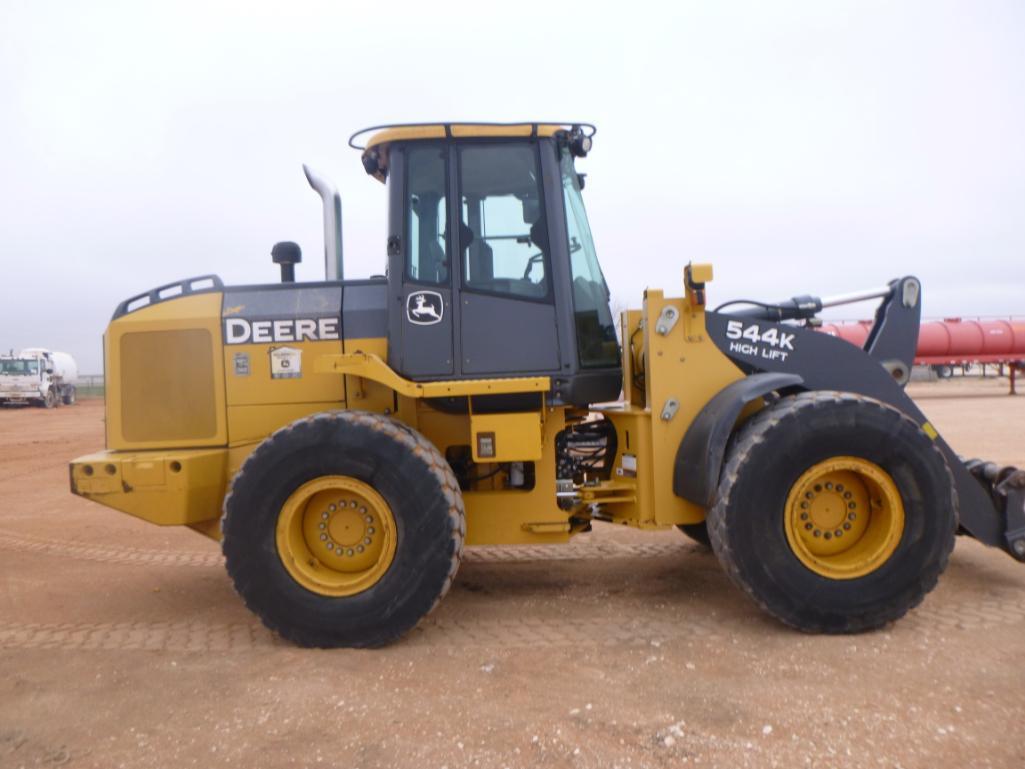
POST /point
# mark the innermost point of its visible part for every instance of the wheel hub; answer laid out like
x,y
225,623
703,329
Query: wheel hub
x,y
844,517
347,527
344,530
336,535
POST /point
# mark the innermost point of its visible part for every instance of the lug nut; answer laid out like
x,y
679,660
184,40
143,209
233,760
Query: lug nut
x,y
324,516
838,533
323,525
350,551
804,516
817,533
370,530
829,485
359,548
366,541
847,526
323,537
839,487
363,510
368,519
331,546
808,495
851,516
353,503
818,487
828,535
851,505
846,494
808,526
331,508
804,505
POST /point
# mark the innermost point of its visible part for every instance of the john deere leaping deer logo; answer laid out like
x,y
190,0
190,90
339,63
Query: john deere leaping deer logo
x,y
425,308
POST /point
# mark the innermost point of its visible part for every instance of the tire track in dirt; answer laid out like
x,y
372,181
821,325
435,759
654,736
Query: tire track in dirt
x,y
511,553
934,618
197,636
966,615
241,637
106,553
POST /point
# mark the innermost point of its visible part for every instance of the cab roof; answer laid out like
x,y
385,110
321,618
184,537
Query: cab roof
x,y
385,134
381,136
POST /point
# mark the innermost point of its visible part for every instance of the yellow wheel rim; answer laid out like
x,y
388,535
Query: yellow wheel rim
x,y
844,517
336,536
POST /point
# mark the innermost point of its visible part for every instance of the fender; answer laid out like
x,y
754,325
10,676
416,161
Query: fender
x,y
700,456
825,362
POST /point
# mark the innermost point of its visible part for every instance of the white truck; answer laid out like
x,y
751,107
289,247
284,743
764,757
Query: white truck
x,y
39,377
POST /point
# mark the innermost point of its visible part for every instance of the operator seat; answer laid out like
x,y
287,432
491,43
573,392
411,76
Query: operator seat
x,y
480,256
437,262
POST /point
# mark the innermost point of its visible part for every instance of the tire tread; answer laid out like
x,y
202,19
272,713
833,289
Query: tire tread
x,y
416,445
756,431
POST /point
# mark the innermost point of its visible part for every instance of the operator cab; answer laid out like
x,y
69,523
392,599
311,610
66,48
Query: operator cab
x,y
492,270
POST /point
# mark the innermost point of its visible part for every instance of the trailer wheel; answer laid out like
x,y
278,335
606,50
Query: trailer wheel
x,y
835,512
696,531
343,529
69,395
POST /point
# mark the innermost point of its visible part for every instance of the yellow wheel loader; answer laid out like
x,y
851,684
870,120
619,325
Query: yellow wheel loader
x,y
345,439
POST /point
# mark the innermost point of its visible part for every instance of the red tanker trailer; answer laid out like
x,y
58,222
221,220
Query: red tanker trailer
x,y
954,341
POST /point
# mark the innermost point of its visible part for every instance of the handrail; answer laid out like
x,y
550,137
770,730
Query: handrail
x,y
370,366
447,125
186,287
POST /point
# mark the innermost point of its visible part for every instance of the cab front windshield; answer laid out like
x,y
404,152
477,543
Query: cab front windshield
x,y
19,367
596,332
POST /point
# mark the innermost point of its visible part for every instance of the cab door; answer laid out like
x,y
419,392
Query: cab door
x,y
420,234
507,312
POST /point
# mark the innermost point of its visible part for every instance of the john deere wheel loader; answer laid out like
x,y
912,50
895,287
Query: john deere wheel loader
x,y
345,439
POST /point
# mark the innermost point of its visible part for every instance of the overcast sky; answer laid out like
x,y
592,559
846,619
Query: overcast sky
x,y
814,147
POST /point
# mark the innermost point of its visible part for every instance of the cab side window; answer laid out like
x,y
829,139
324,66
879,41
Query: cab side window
x,y
503,234
427,215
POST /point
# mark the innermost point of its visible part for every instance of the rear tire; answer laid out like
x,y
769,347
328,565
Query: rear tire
x,y
69,396
877,574
282,567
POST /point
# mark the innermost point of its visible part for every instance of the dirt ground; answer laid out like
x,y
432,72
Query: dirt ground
x,y
124,645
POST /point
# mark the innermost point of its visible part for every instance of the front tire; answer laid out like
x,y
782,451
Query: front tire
x,y
343,529
835,512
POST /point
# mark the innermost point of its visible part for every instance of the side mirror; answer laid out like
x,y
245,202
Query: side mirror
x,y
49,369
